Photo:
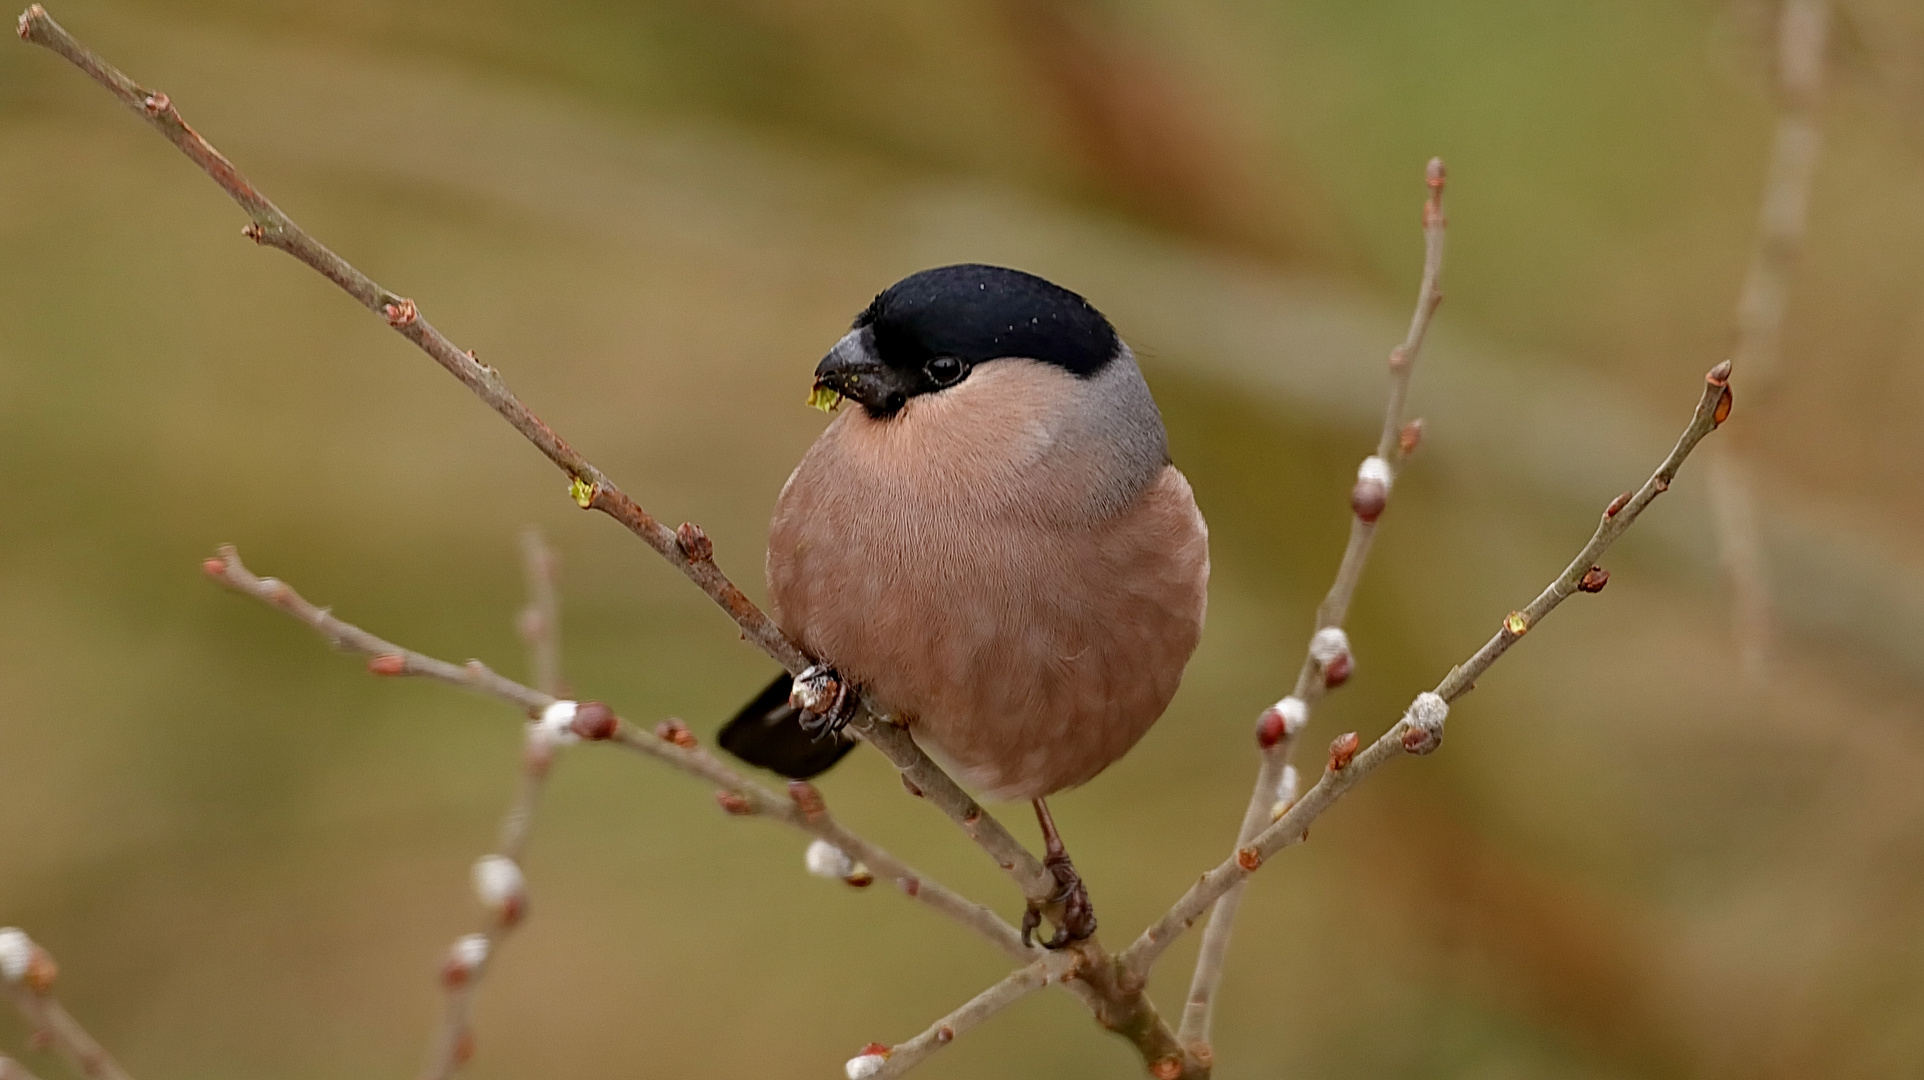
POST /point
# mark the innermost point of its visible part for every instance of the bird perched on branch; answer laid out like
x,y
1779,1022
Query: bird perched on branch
x,y
993,546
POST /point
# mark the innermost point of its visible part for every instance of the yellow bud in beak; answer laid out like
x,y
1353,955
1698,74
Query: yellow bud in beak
x,y
824,398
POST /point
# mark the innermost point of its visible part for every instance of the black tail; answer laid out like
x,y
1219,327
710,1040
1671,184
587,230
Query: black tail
x,y
768,733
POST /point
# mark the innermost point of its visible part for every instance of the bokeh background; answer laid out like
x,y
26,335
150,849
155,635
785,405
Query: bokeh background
x,y
1628,861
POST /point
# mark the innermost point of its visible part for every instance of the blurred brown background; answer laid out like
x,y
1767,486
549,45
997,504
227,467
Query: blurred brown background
x,y
654,217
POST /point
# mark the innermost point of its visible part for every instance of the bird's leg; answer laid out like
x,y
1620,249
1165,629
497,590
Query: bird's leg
x,y
826,700
1078,921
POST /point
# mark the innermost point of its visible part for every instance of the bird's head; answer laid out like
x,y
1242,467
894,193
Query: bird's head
x,y
929,331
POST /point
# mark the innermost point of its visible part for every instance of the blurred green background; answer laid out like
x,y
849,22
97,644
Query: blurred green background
x,y
654,217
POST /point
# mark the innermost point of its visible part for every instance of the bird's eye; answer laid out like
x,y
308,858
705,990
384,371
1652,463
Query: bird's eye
x,y
944,370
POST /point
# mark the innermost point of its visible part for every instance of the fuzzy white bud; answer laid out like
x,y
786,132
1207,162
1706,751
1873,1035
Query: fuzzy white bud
x,y
497,881
1376,469
1425,723
16,953
470,951
556,726
864,1066
826,860
1429,711
1294,713
1329,643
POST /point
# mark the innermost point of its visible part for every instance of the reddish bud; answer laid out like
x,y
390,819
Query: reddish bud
x,y
254,232
674,731
454,973
909,786
876,1049
807,798
1399,358
1719,375
1249,858
1166,1069
734,802
861,878
1343,751
1337,671
1420,741
944,1034
694,543
41,971
156,103
594,721
1616,505
1721,411
401,314
463,1046
514,909
1410,437
388,664
1270,728
1368,498
911,886
1594,579
1662,485
214,568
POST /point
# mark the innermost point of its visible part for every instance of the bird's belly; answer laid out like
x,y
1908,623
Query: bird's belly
x,y
1027,657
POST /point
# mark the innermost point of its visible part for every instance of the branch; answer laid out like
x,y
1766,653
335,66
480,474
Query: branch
x,y
1326,663
1420,729
1802,35
29,972
882,1062
671,743
13,1070
468,960
687,548
540,621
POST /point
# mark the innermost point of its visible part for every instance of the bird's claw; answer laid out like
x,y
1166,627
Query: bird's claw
x,y
826,700
1078,920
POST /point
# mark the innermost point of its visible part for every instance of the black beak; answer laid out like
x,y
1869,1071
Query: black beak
x,y
852,370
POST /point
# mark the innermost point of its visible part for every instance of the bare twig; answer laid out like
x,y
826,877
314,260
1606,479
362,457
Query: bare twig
x,y
1802,37
1018,984
1420,728
13,1070
387,658
28,972
469,960
540,621
687,547
1278,728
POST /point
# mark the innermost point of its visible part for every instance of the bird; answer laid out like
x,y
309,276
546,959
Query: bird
x,y
992,545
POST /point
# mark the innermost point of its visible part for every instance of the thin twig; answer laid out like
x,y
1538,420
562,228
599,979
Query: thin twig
x,y
540,621
1017,985
540,626
1802,36
387,658
1279,744
1346,767
687,548
50,1022
13,1070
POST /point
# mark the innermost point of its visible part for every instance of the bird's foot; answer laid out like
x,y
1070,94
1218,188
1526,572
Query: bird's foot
x,y
1078,920
826,700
